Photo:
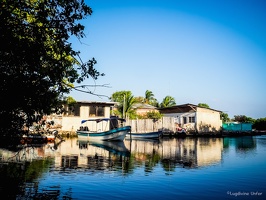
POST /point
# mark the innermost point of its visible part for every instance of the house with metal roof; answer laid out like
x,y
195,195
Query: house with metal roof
x,y
143,108
194,118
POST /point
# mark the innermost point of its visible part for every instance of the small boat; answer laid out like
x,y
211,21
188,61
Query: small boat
x,y
114,133
39,137
149,135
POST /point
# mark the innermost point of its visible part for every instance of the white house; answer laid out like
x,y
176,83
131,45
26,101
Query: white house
x,y
194,118
71,119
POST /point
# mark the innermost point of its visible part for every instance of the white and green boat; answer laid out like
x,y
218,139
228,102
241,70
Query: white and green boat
x,y
114,132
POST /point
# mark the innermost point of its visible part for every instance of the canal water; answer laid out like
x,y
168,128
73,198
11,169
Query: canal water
x,y
170,168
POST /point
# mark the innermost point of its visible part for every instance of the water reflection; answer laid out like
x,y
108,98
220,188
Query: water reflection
x,y
241,144
186,152
73,153
28,164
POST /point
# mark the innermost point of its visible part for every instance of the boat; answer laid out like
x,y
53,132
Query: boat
x,y
39,137
114,133
148,135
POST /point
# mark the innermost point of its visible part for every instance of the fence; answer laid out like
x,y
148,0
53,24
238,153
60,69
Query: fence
x,y
166,124
234,127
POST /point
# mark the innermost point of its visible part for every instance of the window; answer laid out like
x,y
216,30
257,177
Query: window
x,y
96,111
185,120
191,119
72,110
76,110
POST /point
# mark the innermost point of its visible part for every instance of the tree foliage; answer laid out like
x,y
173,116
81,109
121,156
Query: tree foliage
x,y
203,105
168,101
224,117
154,115
37,63
243,119
150,99
125,101
260,124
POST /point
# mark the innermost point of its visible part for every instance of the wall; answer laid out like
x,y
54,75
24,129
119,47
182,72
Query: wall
x,y
235,127
72,123
149,125
178,118
208,120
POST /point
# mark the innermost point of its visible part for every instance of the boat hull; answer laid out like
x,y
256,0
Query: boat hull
x,y
150,135
117,134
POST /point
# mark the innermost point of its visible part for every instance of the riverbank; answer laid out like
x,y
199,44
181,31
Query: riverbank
x,y
70,134
212,134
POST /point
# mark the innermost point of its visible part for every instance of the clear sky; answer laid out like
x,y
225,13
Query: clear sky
x,y
197,51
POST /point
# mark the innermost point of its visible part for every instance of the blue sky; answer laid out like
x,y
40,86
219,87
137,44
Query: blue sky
x,y
204,51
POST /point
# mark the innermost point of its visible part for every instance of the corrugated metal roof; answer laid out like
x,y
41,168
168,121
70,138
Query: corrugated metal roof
x,y
96,102
185,106
144,106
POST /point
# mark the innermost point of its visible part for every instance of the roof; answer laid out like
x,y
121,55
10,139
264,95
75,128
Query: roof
x,y
97,102
143,106
184,108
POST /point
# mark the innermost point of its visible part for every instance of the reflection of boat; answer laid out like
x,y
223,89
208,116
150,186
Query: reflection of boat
x,y
48,136
115,147
114,133
149,135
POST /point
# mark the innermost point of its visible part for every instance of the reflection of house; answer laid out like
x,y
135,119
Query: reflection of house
x,y
201,151
142,108
70,120
194,118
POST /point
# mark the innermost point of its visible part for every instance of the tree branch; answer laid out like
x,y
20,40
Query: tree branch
x,y
88,91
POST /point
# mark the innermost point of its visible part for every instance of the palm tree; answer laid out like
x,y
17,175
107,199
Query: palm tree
x,y
125,101
148,96
128,105
168,101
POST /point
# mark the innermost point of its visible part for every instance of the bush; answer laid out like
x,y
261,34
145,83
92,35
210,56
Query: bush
x,y
154,115
260,124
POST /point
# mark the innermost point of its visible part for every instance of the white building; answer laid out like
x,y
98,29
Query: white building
x,y
194,118
71,119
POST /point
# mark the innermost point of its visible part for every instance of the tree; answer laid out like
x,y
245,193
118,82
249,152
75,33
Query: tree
x,y
224,117
37,63
129,112
243,119
139,99
125,101
168,101
203,105
154,115
149,98
260,124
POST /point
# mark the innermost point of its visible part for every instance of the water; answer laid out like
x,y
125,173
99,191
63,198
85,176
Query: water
x,y
190,168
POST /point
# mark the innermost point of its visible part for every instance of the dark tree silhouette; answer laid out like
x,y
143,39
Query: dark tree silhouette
x,y
37,63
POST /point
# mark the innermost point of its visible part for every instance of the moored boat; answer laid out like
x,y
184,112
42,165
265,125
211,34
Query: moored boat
x,y
114,133
39,137
149,135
